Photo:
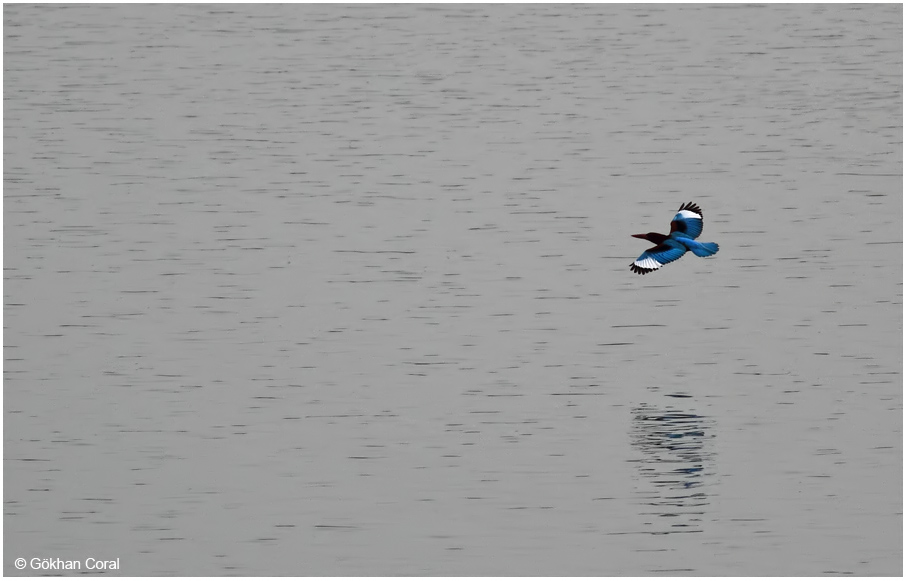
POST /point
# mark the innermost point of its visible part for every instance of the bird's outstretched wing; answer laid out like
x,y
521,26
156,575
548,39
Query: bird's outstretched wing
x,y
688,220
656,257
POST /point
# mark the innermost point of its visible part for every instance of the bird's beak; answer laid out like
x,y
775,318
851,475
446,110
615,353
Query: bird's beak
x,y
643,236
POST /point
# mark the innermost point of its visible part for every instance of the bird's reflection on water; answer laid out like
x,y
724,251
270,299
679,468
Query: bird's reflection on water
x,y
675,465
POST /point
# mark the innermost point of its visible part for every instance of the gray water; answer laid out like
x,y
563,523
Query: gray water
x,y
344,290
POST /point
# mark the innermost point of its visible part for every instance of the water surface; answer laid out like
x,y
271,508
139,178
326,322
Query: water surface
x,y
344,290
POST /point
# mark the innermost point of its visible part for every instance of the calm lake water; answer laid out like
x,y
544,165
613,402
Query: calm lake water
x,y
345,290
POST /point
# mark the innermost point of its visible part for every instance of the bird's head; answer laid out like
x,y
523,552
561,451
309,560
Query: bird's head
x,y
651,237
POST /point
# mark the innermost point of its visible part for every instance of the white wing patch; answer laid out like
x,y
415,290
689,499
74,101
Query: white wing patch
x,y
688,214
647,263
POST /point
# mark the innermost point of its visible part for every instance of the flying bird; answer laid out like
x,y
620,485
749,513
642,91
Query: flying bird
x,y
685,228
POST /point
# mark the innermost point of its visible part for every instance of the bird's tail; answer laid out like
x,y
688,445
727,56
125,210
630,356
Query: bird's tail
x,y
704,248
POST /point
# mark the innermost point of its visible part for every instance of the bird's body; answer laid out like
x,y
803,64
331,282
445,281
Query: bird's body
x,y
685,228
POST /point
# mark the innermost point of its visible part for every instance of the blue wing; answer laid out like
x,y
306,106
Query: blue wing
x,y
688,220
656,257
